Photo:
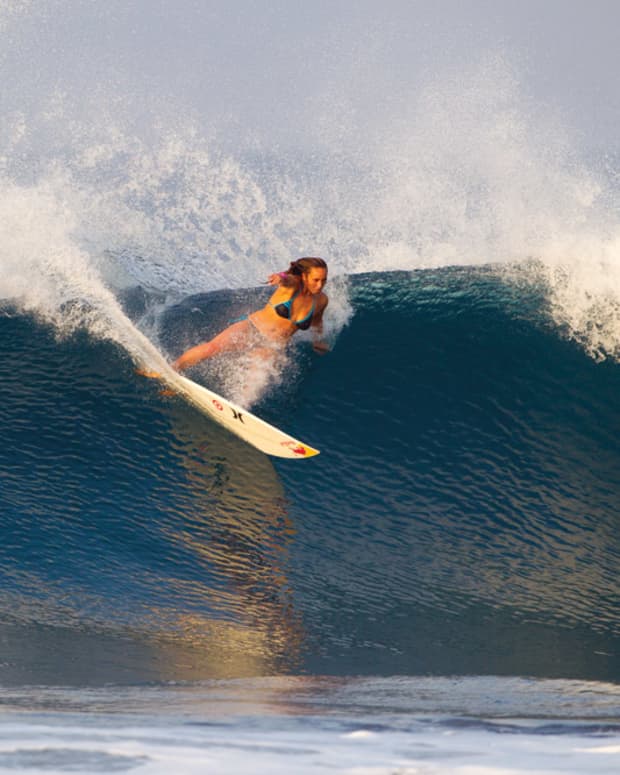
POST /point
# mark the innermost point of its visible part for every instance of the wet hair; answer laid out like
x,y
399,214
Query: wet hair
x,y
301,266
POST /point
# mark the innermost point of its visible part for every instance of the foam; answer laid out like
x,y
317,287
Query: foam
x,y
94,742
118,188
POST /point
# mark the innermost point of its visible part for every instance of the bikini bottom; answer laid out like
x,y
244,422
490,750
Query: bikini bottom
x,y
256,338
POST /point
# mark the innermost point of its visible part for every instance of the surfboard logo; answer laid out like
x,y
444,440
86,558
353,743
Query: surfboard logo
x,y
295,447
237,415
267,438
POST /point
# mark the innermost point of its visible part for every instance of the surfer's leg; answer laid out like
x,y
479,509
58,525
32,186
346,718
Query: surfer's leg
x,y
232,338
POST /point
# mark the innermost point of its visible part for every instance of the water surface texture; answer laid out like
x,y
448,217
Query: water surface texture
x,y
461,519
437,592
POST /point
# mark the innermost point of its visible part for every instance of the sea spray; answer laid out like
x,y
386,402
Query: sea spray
x,y
465,167
46,274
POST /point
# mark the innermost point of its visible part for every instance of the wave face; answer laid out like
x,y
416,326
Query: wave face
x,y
461,519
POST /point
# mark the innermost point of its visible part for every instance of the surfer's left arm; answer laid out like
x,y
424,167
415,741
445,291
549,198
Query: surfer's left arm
x,y
319,345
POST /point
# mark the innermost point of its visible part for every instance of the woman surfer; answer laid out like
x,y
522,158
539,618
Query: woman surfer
x,y
298,303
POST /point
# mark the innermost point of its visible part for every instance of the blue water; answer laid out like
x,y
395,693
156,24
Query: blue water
x,y
455,543
437,592
461,519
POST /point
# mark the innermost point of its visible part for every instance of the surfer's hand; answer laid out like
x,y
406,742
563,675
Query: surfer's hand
x,y
274,279
320,347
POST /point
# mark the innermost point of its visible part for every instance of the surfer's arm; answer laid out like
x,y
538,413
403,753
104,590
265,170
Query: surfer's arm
x,y
318,344
283,278
274,279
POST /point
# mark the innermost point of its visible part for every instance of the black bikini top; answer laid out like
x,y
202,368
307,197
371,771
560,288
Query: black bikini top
x,y
283,309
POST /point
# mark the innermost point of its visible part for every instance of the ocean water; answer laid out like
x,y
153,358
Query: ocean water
x,y
437,592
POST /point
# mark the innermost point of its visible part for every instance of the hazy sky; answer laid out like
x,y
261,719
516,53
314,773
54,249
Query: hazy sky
x,y
273,64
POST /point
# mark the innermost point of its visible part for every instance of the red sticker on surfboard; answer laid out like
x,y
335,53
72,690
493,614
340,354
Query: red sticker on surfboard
x,y
295,447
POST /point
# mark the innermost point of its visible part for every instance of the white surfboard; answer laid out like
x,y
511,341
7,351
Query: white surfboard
x,y
267,438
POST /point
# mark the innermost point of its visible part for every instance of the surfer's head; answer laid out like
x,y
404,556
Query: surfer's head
x,y
312,271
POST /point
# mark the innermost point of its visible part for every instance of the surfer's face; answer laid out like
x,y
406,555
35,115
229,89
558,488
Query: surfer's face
x,y
315,279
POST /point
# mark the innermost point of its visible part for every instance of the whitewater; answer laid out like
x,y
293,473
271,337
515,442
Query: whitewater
x,y
438,591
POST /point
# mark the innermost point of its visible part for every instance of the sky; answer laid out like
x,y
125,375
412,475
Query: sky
x,y
279,67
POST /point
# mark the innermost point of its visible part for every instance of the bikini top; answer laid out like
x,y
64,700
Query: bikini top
x,y
283,309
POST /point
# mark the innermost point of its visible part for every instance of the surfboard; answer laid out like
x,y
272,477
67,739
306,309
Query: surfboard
x,y
260,434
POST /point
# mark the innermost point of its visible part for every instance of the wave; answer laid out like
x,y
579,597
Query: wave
x,y
470,172
461,517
